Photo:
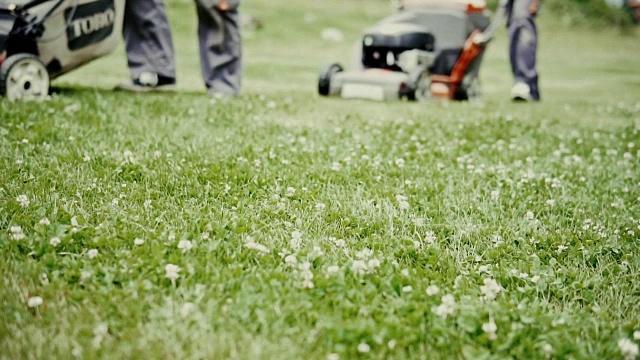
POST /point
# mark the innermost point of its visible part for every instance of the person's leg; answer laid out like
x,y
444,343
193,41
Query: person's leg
x,y
148,43
523,39
220,49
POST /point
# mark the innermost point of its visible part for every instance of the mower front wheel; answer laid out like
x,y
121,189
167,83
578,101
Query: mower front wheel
x,y
420,85
324,80
24,77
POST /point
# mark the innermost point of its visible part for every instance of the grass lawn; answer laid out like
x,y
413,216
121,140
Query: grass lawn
x,y
282,225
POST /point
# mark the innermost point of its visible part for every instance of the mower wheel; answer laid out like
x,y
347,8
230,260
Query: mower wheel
x,y
473,89
24,77
324,80
420,81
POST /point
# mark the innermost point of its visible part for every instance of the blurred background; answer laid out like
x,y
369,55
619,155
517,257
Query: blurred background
x,y
586,47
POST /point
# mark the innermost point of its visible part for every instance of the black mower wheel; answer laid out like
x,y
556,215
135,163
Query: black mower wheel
x,y
24,77
419,86
324,80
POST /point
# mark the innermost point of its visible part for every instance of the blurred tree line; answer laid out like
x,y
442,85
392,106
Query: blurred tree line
x,y
584,12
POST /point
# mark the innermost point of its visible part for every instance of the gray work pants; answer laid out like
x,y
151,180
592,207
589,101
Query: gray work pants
x,y
523,43
150,48
147,38
220,47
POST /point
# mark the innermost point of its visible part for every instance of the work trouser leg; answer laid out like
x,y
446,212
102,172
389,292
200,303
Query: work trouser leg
x,y
147,38
220,48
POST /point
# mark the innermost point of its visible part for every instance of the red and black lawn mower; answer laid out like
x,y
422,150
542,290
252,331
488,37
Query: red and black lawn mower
x,y
428,49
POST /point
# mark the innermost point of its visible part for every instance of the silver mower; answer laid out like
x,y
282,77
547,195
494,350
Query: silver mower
x,y
43,39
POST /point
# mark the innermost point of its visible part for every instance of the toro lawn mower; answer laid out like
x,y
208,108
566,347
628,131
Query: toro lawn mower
x,y
43,39
428,49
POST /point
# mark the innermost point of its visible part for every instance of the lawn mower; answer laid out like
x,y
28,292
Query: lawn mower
x,y
43,39
428,49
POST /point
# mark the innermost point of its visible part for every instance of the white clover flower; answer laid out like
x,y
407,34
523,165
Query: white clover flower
x,y
187,309
547,348
77,351
290,192
490,329
34,301
430,237
433,290
296,240
16,233
320,207
318,251
402,202
291,260
530,215
333,356
44,221
364,348
359,267
338,242
448,300
636,335
23,200
171,271
372,265
364,254
407,289
336,166
561,248
490,289
551,202
85,275
138,241
446,308
305,266
628,348
400,163
157,154
86,158
99,333
307,276
185,245
128,157
495,195
251,244
333,269
392,344
55,241
92,253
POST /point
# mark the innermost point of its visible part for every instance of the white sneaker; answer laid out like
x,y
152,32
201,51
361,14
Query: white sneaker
x,y
148,82
520,92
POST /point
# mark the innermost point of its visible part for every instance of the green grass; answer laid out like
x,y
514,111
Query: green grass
x,y
542,198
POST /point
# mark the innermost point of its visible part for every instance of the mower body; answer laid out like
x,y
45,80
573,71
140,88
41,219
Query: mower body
x,y
62,35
